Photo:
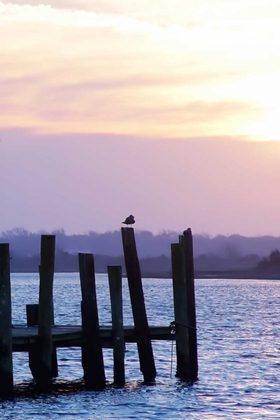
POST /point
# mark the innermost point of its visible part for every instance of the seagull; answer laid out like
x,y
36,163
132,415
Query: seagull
x,y
130,220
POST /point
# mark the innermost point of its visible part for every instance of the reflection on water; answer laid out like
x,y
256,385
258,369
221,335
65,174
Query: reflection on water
x,y
238,350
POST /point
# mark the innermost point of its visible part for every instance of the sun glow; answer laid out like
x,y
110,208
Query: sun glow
x,y
267,128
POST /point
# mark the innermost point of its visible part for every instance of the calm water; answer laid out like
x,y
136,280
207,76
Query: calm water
x,y
238,349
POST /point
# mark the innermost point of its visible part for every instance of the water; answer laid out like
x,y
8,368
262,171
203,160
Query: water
x,y
238,351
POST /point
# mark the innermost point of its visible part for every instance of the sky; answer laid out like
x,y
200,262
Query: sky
x,y
166,110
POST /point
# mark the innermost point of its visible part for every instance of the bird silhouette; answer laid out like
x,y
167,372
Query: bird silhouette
x,y
130,220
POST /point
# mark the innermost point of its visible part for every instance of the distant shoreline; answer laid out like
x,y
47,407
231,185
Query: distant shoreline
x,y
227,275
219,275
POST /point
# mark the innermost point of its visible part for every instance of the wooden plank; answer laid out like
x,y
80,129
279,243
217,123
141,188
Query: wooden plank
x,y
187,241
145,351
46,271
180,311
6,357
93,364
115,286
32,312
65,331
25,338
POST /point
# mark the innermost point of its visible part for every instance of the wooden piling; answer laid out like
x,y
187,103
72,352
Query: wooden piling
x,y
32,319
187,241
145,351
45,312
81,260
32,312
115,286
180,312
6,358
92,356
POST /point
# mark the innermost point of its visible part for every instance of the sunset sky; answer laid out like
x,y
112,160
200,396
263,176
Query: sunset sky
x,y
167,110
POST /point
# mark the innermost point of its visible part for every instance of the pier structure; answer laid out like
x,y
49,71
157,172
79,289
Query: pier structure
x,y
40,337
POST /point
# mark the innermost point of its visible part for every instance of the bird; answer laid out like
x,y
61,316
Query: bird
x,y
130,220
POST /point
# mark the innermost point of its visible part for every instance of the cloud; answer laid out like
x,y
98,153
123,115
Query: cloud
x,y
98,6
178,10
129,105
114,62
135,100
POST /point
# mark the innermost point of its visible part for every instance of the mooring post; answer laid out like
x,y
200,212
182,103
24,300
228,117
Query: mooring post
x,y
6,355
45,312
180,312
145,351
115,285
187,240
32,312
92,355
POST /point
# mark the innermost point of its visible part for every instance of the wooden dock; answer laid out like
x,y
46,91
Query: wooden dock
x,y
23,338
40,337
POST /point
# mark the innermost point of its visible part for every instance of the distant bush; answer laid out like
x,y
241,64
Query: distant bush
x,y
272,262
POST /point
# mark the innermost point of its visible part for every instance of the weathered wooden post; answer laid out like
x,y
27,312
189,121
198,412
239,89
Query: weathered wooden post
x,y
187,240
32,312
92,355
180,311
6,357
145,351
32,320
45,315
115,285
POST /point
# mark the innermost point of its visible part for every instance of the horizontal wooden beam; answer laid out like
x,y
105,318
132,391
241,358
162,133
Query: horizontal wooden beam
x,y
71,336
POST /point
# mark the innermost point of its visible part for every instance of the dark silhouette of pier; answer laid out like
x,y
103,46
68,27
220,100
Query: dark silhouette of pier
x,y
40,337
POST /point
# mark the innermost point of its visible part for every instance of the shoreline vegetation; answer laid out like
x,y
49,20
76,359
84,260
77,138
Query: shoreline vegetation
x,y
229,257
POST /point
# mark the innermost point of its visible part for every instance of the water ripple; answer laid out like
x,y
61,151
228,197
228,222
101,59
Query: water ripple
x,y
238,350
